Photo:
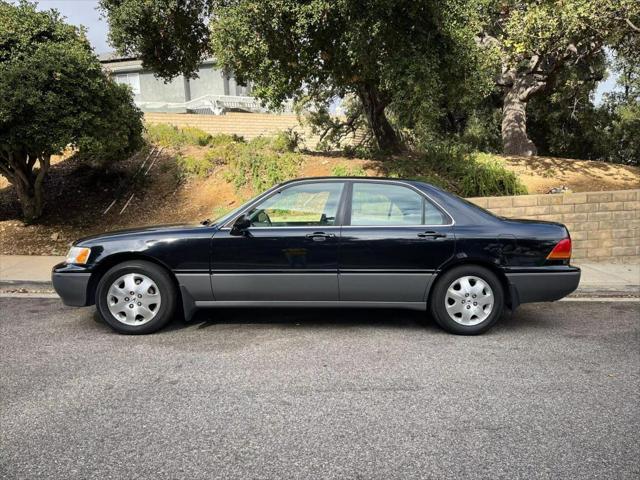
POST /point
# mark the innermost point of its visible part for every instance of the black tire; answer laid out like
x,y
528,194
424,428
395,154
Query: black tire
x,y
438,299
158,275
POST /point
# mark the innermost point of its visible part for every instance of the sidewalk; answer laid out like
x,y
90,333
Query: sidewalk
x,y
27,272
34,272
602,278
29,268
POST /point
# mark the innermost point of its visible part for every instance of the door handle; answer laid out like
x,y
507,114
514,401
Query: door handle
x,y
431,234
319,236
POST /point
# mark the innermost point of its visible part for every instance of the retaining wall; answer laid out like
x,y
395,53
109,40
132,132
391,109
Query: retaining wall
x,y
247,125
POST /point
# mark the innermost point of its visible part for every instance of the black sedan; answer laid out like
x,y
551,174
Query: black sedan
x,y
326,242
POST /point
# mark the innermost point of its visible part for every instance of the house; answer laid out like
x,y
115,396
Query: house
x,y
214,92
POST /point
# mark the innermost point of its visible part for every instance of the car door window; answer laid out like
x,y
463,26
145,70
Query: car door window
x,y
375,204
311,204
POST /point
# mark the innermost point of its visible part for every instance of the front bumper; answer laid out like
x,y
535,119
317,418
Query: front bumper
x,y
72,287
543,286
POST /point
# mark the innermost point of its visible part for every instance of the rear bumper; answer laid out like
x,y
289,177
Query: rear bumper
x,y
72,287
543,286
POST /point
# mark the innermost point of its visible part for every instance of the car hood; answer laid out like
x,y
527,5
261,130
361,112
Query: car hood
x,y
155,230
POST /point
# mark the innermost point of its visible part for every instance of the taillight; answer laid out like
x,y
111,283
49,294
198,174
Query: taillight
x,y
562,251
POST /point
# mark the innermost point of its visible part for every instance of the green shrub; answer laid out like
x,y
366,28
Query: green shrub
x,y
162,134
620,142
347,171
261,169
468,174
259,163
222,152
340,171
195,136
190,166
171,136
286,141
472,174
484,175
224,139
260,143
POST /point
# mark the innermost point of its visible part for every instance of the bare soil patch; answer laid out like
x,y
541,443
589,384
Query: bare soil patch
x,y
541,174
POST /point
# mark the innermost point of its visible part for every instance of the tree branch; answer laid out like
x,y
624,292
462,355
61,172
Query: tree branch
x,y
632,25
19,173
31,161
532,90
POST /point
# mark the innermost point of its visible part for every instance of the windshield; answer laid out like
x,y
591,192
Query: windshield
x,y
223,218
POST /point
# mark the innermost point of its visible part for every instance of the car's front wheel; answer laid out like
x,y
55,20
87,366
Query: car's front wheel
x,y
136,297
467,300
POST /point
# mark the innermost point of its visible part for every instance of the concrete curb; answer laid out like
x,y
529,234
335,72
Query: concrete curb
x,y
621,291
22,286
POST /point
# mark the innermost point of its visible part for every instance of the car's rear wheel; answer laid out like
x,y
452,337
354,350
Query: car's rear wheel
x,y
136,297
467,300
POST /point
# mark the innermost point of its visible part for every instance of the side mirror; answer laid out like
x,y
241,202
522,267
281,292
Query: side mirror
x,y
240,226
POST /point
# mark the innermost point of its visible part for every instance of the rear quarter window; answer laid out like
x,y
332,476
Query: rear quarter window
x,y
375,204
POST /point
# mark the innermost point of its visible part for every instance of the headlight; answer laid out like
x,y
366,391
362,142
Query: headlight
x,y
78,255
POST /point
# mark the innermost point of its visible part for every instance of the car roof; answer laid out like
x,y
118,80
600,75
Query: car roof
x,y
423,186
388,179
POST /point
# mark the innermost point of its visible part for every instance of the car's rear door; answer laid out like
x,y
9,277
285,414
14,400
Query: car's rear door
x,y
393,241
290,252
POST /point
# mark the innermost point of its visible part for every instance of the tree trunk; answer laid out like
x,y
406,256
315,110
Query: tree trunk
x,y
514,117
386,138
30,202
27,182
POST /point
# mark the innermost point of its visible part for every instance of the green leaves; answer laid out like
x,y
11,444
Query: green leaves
x,y
171,36
53,94
557,30
52,89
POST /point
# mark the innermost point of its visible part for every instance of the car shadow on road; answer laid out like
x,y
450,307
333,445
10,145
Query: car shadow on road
x,y
335,318
308,318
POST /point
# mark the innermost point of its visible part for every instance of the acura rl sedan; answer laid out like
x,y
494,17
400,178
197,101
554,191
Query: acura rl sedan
x,y
326,242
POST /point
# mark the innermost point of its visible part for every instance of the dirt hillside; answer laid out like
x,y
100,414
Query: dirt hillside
x,y
540,174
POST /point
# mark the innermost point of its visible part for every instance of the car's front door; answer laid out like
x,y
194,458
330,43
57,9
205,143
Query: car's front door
x,y
393,241
289,252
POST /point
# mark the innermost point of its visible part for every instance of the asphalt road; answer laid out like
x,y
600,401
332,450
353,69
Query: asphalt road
x,y
552,392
